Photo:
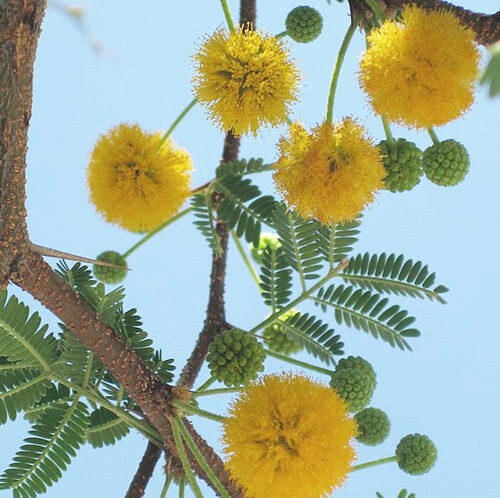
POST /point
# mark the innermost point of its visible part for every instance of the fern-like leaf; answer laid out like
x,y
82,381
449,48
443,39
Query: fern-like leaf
x,y
242,167
56,394
244,219
299,241
335,242
393,275
275,278
367,311
204,219
78,276
53,440
22,339
105,428
314,336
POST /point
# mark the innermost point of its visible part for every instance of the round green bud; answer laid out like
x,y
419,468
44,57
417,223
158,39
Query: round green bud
x,y
304,24
446,163
359,363
277,339
266,240
354,386
235,357
403,164
416,454
374,426
111,275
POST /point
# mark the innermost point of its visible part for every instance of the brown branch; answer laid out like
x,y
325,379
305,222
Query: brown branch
x,y
486,26
144,472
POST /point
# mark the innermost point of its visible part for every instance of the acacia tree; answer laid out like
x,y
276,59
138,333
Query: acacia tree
x,y
101,376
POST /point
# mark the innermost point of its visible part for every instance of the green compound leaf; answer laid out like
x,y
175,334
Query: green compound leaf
x,y
78,276
491,75
402,494
204,219
242,167
367,311
275,278
335,242
53,441
314,336
299,242
245,219
22,340
20,389
393,275
105,428
57,394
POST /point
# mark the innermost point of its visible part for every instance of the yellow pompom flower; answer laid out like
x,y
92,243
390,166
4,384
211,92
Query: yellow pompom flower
x,y
289,437
136,183
330,173
245,80
421,72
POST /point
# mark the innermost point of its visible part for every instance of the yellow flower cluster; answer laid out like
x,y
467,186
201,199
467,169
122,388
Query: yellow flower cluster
x,y
245,80
289,437
421,72
135,181
330,173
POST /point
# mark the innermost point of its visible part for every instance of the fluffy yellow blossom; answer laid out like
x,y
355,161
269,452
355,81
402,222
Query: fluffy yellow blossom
x,y
330,173
289,437
136,183
245,80
421,72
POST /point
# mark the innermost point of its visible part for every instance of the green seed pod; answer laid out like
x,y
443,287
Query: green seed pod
x,y
304,24
403,164
446,163
374,426
416,454
111,275
235,357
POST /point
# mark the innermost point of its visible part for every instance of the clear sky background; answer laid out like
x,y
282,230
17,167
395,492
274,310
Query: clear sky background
x,y
446,388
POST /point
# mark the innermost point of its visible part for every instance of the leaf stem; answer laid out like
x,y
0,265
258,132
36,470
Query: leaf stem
x,y
188,471
377,9
193,410
206,384
227,15
222,390
245,258
173,126
387,129
373,463
182,486
299,363
432,133
155,231
336,70
282,34
164,490
200,459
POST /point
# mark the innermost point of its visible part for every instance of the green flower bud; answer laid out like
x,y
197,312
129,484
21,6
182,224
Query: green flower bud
x,y
416,454
277,339
374,426
111,275
446,163
304,24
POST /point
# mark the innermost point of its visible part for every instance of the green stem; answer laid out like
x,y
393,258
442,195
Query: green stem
x,y
176,122
336,70
206,384
164,490
282,34
298,362
245,258
222,390
305,294
182,486
140,426
227,15
387,129
155,231
197,411
200,459
373,463
432,133
184,459
377,9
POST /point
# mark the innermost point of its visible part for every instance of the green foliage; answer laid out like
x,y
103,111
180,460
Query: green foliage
x,y
244,219
242,167
367,311
393,275
105,428
335,242
205,222
22,340
492,73
314,336
275,278
299,242
402,494
57,394
53,441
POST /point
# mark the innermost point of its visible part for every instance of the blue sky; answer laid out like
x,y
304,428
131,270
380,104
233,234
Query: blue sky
x,y
446,388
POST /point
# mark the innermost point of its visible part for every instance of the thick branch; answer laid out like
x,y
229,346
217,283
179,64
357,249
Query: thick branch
x,y
144,472
20,23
